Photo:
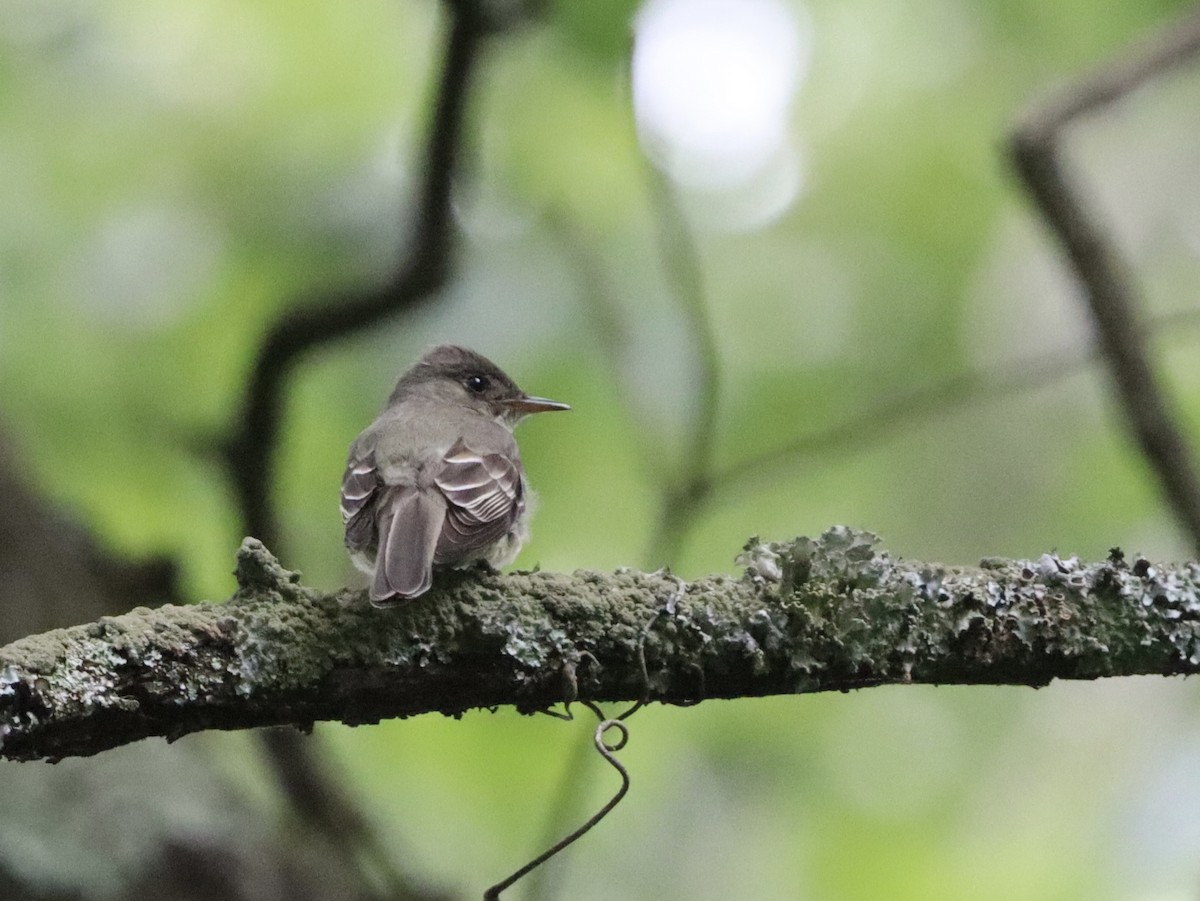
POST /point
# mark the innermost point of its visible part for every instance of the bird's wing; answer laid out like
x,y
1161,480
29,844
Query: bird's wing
x,y
359,486
408,529
485,497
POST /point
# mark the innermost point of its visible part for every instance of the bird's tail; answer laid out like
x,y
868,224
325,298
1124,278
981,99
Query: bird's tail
x,y
408,535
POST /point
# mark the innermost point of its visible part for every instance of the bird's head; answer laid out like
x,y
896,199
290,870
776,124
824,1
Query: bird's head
x,y
460,376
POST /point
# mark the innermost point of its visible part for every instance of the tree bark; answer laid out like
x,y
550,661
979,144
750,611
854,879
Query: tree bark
x,y
832,613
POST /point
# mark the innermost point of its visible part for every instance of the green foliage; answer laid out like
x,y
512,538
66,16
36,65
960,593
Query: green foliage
x,y
173,177
600,31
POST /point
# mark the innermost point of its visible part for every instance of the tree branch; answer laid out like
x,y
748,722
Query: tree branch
x,y
249,450
1097,263
251,446
810,615
680,497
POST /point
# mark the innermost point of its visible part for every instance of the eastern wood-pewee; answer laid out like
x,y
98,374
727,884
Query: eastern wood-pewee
x,y
436,480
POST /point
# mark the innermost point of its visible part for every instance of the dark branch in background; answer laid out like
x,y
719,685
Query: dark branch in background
x,y
1097,263
1109,292
54,572
809,615
911,409
917,407
611,332
251,448
322,808
687,483
313,792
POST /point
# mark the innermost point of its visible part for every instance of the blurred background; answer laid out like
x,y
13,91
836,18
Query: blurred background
x,y
818,188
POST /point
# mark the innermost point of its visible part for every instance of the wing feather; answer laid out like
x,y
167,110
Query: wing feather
x,y
360,484
485,498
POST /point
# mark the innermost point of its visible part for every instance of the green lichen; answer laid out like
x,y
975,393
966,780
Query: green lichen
x,y
261,577
832,612
865,613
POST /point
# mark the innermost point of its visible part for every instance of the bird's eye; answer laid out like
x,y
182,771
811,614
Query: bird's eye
x,y
477,384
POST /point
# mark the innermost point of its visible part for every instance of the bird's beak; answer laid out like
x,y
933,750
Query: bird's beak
x,y
527,404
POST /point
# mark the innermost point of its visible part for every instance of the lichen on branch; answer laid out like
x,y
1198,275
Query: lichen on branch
x,y
831,613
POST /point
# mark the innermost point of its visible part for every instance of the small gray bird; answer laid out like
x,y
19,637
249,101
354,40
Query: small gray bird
x,y
436,480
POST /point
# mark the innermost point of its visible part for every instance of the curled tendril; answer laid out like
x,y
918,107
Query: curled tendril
x,y
606,749
608,752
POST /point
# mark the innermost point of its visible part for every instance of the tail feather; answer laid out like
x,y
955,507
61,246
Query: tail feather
x,y
408,537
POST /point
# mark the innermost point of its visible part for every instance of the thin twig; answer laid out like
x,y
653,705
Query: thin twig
x,y
683,267
684,484
612,333
912,409
542,884
608,752
1035,146
682,261
919,405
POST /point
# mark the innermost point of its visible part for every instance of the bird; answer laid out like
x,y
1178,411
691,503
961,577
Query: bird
x,y
436,481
